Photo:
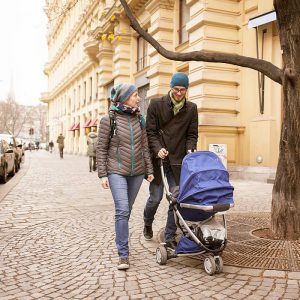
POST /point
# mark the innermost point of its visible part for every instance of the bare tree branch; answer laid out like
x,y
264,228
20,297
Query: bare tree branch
x,y
260,65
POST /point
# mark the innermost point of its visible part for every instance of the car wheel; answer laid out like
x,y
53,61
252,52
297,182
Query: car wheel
x,y
3,178
17,166
13,171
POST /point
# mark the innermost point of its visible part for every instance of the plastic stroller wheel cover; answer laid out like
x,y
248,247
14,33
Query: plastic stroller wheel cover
x,y
209,265
161,255
219,264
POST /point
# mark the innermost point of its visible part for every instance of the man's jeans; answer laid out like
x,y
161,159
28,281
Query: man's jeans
x,y
124,190
156,193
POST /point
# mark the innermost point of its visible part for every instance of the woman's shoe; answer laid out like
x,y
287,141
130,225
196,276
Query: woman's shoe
x,y
123,263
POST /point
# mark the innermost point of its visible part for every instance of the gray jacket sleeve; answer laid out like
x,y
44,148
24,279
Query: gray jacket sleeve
x,y
102,146
147,158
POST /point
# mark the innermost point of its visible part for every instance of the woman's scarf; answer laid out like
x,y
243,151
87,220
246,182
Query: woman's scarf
x,y
177,106
129,110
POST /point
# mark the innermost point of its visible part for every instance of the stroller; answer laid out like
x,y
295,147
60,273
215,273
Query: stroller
x,y
203,196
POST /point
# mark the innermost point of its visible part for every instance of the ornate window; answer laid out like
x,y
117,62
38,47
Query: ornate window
x,y
142,53
184,17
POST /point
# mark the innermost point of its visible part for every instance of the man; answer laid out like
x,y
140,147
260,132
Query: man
x,y
172,130
61,145
51,145
91,151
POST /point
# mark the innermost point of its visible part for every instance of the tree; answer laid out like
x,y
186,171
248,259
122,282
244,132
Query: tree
x,y
12,116
285,214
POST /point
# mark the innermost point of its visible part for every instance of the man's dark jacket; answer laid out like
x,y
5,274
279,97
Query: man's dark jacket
x,y
177,133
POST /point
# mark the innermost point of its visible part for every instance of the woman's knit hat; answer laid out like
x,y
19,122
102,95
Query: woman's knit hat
x,y
179,79
122,92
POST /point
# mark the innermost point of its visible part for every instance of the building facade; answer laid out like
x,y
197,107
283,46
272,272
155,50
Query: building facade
x,y
92,48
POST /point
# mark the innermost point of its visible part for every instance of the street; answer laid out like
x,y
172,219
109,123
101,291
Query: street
x,y
57,242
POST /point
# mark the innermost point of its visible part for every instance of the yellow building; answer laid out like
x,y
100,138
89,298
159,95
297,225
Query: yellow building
x,y
92,48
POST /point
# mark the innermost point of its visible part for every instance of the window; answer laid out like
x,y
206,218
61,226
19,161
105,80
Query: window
x,y
142,53
144,103
84,93
184,17
91,89
96,86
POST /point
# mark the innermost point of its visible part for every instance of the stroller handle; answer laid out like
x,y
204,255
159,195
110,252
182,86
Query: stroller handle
x,y
164,179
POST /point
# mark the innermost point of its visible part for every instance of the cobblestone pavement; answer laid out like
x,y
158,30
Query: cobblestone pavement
x,y
57,242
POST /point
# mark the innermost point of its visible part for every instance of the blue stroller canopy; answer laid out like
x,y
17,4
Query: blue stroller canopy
x,y
204,180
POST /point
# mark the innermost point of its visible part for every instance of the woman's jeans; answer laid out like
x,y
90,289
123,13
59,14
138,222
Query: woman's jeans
x,y
124,190
156,194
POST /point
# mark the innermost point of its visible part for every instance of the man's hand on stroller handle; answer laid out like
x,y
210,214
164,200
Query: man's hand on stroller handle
x,y
162,153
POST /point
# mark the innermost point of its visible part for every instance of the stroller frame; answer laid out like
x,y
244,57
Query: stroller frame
x,y
213,262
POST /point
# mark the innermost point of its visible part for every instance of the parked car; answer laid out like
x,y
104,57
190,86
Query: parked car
x,y
21,146
10,139
7,161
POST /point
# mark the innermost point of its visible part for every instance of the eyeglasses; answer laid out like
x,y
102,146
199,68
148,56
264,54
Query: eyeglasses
x,y
178,90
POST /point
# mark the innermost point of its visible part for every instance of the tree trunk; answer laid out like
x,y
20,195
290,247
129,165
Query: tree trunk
x,y
285,217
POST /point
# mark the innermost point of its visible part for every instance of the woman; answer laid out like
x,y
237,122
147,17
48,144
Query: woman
x,y
123,159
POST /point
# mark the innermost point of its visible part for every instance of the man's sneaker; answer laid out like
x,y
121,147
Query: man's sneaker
x,y
148,232
171,244
123,263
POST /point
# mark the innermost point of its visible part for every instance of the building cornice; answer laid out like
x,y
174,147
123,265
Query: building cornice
x,y
71,78
71,37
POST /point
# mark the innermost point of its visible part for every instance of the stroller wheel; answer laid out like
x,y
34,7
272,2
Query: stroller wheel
x,y
219,264
161,255
210,265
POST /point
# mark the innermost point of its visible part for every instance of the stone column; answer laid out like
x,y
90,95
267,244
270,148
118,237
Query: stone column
x,y
122,52
161,29
214,87
104,73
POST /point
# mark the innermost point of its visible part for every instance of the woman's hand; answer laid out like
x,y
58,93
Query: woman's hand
x,y
150,178
104,182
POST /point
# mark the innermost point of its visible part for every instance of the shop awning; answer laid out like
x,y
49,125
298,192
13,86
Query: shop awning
x,y
87,123
71,127
94,123
76,126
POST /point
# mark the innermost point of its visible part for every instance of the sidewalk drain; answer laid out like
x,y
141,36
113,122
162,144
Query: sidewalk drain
x,y
248,251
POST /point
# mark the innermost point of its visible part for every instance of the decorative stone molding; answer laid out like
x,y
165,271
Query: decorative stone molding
x,y
91,48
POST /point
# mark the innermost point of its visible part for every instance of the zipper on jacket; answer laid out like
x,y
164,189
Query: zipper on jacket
x,y
119,158
132,146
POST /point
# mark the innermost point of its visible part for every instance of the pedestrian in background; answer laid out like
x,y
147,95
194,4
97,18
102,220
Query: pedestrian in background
x,y
51,145
123,159
61,145
172,130
91,150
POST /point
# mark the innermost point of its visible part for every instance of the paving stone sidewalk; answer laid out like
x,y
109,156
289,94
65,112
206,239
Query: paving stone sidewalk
x,y
57,242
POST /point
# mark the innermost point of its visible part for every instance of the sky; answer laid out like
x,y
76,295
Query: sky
x,y
23,50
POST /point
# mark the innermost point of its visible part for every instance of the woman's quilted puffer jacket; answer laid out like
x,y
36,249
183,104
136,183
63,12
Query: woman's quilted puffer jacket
x,y
126,153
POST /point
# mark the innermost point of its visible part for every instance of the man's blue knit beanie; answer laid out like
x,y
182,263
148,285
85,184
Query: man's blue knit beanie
x,y
122,92
179,79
